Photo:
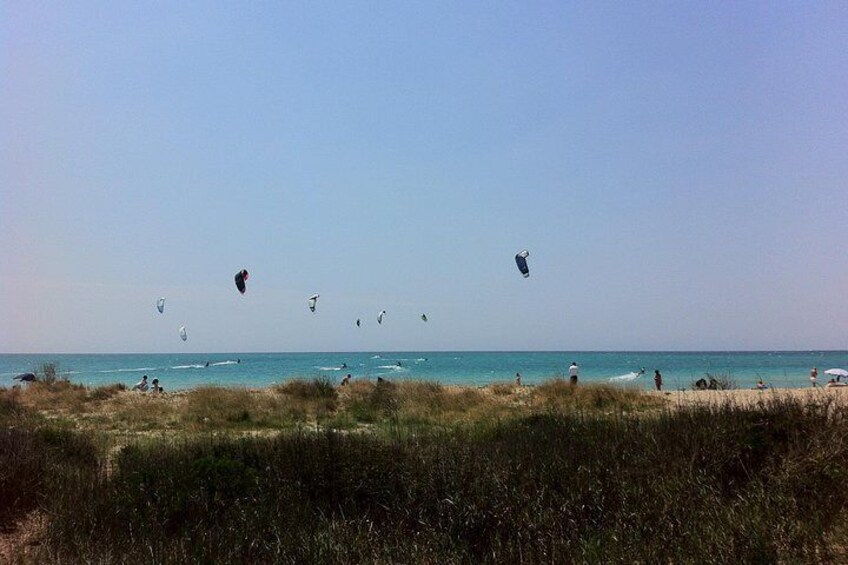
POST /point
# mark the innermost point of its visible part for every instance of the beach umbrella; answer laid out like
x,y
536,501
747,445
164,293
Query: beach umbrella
x,y
837,372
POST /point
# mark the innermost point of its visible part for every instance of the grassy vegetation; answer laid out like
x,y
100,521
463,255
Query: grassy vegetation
x,y
552,473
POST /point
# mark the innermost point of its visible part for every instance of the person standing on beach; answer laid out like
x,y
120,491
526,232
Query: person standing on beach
x,y
658,379
814,376
517,379
572,373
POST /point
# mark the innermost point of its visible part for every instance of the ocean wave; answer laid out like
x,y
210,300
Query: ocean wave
x,y
376,357
135,370
628,377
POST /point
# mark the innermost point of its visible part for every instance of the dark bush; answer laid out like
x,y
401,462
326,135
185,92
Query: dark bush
x,y
719,484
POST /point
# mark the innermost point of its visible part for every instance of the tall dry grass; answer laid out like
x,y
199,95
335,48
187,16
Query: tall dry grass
x,y
718,484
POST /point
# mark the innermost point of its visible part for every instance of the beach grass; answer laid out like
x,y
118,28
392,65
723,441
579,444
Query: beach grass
x,y
418,472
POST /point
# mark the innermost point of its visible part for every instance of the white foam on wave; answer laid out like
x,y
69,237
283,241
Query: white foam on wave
x,y
189,367
327,368
627,377
136,370
392,367
223,363
376,357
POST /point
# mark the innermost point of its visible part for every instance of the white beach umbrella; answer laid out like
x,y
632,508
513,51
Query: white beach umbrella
x,y
837,372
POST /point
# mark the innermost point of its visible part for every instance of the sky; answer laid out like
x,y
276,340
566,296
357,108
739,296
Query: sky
x,y
677,171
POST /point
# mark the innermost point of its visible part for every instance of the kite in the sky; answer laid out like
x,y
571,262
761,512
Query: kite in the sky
x,y
160,305
241,277
313,301
357,322
423,317
183,333
521,261
380,316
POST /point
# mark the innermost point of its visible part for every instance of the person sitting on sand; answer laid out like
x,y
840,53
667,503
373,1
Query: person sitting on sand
x,y
346,379
141,385
156,389
713,384
701,384
761,385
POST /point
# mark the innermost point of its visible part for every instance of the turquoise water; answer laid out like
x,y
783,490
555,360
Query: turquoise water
x,y
185,371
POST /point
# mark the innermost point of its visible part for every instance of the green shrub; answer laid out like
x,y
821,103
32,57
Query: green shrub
x,y
706,484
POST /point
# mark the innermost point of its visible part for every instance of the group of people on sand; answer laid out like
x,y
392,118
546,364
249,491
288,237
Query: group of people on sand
x,y
153,387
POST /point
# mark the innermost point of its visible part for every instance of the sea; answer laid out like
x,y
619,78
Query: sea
x,y
680,369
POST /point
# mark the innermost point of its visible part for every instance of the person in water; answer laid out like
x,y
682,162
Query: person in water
x,y
344,366
399,364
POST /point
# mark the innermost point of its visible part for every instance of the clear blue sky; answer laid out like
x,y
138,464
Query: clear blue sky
x,y
677,170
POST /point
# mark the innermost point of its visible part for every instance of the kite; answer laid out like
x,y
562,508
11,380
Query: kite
x,y
241,277
521,261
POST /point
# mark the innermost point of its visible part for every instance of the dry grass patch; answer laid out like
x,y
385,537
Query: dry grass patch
x,y
418,402
502,389
309,400
140,411
558,394
56,396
